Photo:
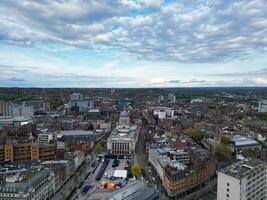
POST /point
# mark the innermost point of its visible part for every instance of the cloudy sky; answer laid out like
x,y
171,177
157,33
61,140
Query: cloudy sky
x,y
133,43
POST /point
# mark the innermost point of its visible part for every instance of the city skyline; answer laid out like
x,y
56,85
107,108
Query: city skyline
x,y
133,43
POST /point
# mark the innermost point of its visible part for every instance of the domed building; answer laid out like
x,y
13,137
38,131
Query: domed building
x,y
123,138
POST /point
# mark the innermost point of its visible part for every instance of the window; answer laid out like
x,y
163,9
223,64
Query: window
x,y
228,184
227,195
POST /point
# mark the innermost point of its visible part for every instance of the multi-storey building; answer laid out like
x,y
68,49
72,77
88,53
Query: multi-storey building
x,y
27,183
159,158
186,183
5,109
21,110
262,106
77,100
123,138
244,180
47,151
61,169
163,112
184,172
171,98
76,96
46,138
18,152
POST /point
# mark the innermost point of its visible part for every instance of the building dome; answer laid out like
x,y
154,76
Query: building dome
x,y
124,114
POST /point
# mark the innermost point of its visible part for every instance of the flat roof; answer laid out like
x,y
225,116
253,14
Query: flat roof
x,y
242,168
133,191
243,141
74,133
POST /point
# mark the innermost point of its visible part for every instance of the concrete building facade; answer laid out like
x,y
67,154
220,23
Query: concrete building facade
x,y
27,184
244,180
123,138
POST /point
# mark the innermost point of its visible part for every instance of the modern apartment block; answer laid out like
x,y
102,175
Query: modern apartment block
x,y
244,180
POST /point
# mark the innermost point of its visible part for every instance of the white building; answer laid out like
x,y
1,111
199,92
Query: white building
x,y
76,97
244,180
163,112
9,110
123,138
161,98
262,106
161,157
46,138
78,100
171,98
21,110
5,109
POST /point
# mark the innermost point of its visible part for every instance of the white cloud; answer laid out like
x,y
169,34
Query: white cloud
x,y
261,80
184,31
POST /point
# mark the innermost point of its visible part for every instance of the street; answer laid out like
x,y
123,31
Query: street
x,y
142,161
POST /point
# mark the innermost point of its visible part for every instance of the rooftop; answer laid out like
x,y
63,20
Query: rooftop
x,y
243,168
243,141
74,133
133,191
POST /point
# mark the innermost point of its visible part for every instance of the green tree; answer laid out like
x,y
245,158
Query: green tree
x,y
135,170
225,140
222,151
195,134
99,147
263,116
239,115
55,102
64,196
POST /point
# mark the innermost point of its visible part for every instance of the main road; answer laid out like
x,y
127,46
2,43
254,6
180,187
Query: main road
x,y
142,160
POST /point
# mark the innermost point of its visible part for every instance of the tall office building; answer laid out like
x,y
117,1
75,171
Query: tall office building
x,y
244,180
5,109
262,106
9,110
171,98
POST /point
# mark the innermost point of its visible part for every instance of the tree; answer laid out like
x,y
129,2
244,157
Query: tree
x,y
239,115
135,170
263,116
195,134
222,151
99,147
225,140
54,103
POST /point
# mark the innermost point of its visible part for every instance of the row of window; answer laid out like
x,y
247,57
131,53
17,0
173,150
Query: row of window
x,y
121,146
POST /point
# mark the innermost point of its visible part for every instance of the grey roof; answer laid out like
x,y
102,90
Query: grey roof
x,y
243,141
133,191
243,168
124,114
